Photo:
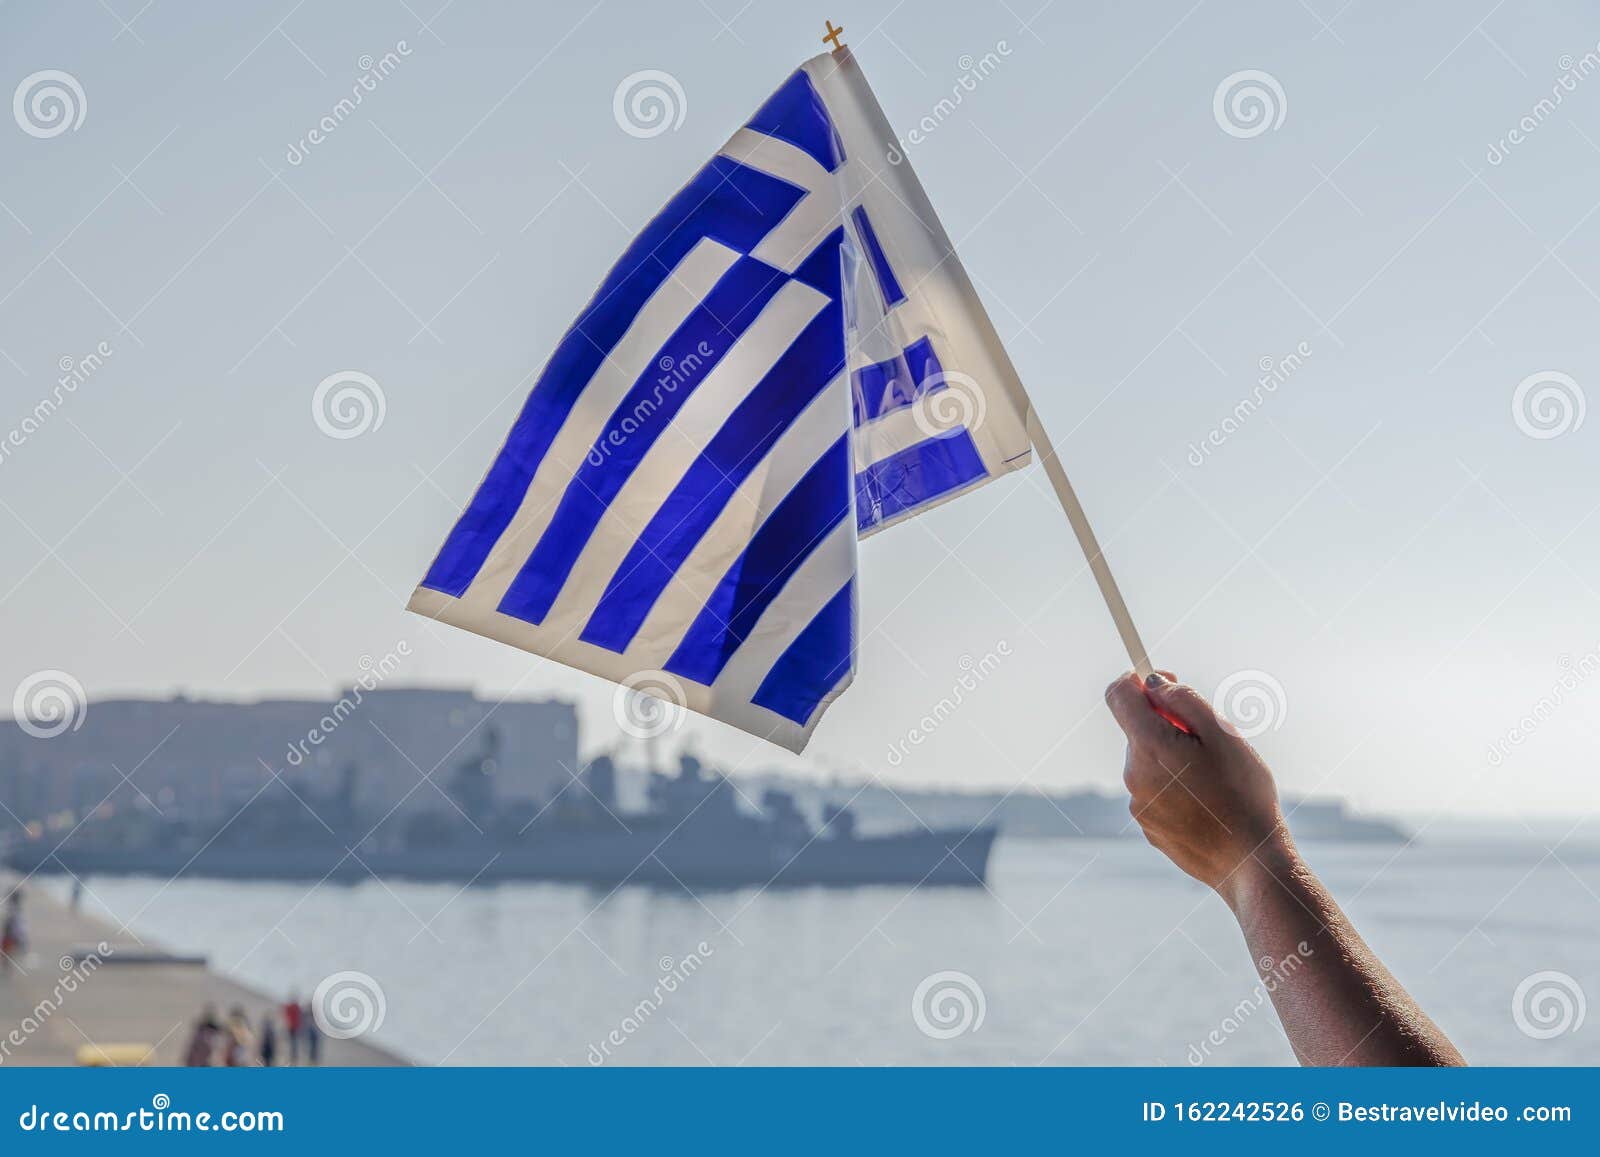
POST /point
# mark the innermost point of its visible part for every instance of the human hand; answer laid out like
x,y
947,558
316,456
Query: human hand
x,y
1205,798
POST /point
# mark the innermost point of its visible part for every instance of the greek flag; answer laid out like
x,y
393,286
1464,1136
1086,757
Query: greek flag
x,y
787,359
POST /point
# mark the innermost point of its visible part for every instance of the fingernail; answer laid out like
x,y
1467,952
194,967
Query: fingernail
x,y
1155,679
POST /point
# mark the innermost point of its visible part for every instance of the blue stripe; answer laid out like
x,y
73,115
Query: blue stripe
x,y
916,475
814,663
888,284
796,114
750,432
883,387
726,201
818,503
639,419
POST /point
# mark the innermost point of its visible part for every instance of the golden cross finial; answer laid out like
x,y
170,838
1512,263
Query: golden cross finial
x,y
832,38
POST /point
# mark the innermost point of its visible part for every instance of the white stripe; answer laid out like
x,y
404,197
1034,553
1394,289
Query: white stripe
x,y
797,450
817,214
779,159
676,448
666,310
817,580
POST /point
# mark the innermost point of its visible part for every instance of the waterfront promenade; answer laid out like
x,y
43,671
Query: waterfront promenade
x,y
45,1018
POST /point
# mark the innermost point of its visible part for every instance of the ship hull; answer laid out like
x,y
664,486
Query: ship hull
x,y
958,857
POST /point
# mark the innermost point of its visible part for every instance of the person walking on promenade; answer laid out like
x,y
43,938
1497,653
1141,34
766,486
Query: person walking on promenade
x,y
13,934
292,1027
203,1041
1206,800
269,1038
308,1022
238,1039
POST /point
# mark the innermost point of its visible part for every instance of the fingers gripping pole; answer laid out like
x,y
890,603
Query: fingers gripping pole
x,y
1091,546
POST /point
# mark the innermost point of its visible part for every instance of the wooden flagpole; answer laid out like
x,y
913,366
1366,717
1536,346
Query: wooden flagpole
x,y
1091,546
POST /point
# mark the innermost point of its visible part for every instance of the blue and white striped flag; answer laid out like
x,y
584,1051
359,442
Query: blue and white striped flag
x,y
787,359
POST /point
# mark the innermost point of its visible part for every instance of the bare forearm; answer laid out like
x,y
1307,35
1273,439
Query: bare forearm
x,y
1339,1005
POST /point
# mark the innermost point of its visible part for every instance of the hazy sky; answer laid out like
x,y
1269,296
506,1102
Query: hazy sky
x,y
1380,535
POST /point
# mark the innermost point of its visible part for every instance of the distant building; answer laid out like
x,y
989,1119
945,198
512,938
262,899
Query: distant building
x,y
202,757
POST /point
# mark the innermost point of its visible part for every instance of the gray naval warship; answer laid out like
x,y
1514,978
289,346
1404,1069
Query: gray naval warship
x,y
696,831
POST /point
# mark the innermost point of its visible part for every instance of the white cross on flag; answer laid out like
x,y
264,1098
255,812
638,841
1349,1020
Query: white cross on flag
x,y
788,358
